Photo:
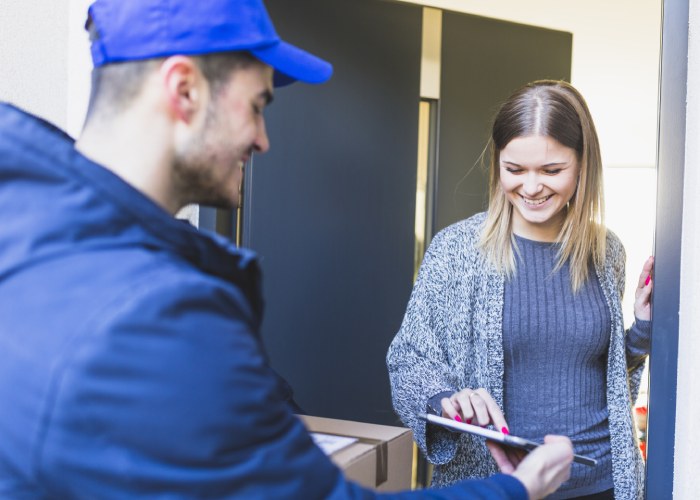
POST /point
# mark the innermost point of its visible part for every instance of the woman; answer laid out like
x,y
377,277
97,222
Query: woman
x,y
520,309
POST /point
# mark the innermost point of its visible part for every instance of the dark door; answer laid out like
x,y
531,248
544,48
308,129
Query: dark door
x,y
330,207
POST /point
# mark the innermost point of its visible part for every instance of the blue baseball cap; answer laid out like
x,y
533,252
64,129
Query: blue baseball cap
x,y
129,30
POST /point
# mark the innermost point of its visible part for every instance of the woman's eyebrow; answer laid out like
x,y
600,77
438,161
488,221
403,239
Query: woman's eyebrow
x,y
551,164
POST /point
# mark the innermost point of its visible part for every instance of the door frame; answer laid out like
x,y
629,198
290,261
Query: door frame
x,y
663,359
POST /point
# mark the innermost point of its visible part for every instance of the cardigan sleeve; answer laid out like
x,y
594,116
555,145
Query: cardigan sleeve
x,y
417,360
638,336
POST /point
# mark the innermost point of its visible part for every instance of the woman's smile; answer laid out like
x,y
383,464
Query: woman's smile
x,y
539,176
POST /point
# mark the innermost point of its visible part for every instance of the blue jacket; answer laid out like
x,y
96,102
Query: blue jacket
x,y
130,360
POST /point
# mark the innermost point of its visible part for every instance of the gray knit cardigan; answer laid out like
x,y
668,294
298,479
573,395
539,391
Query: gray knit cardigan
x,y
451,338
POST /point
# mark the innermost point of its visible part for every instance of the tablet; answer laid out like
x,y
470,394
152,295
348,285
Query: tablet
x,y
499,437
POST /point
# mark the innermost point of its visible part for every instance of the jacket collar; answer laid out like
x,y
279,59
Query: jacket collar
x,y
103,205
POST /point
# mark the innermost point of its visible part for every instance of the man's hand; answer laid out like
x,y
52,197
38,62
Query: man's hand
x,y
544,469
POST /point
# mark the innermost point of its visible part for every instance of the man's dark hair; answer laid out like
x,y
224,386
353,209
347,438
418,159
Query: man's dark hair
x,y
115,85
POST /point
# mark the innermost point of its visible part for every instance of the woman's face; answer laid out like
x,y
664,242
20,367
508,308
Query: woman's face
x,y
538,176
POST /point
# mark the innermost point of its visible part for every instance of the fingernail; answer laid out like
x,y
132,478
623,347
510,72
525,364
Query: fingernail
x,y
469,421
504,430
457,418
647,281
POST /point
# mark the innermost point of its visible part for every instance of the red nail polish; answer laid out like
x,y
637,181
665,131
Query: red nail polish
x,y
469,421
647,281
504,430
457,418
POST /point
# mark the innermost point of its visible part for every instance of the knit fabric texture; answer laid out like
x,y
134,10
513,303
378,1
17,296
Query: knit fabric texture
x,y
451,337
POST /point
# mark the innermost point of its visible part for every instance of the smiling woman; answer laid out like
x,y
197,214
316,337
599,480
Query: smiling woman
x,y
615,64
532,288
545,131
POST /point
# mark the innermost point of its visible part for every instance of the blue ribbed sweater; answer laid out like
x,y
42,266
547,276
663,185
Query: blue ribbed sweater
x,y
555,344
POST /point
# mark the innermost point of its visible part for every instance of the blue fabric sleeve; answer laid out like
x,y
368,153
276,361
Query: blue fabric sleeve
x,y
172,395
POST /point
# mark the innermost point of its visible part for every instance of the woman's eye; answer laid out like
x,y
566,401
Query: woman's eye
x,y
513,170
554,171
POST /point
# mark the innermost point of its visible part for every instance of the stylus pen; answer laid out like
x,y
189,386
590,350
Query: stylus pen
x,y
499,437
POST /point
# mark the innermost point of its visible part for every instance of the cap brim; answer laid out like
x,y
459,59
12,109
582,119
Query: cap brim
x,y
292,64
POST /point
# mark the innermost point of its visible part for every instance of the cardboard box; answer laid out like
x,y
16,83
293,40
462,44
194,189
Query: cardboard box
x,y
381,458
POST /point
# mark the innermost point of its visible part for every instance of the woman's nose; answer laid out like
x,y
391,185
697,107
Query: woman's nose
x,y
532,185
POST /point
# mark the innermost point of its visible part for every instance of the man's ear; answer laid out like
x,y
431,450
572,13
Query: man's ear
x,y
183,84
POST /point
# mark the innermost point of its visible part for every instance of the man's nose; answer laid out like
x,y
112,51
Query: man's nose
x,y
262,141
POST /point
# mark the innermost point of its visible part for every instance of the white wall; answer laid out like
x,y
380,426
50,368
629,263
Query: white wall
x,y
33,56
79,65
687,444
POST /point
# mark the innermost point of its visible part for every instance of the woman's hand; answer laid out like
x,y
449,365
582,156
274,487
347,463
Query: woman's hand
x,y
473,406
477,407
642,295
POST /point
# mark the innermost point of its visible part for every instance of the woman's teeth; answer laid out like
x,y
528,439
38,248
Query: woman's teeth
x,y
536,202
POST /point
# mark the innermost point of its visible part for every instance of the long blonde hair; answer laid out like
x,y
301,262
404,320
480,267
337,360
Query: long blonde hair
x,y
553,109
